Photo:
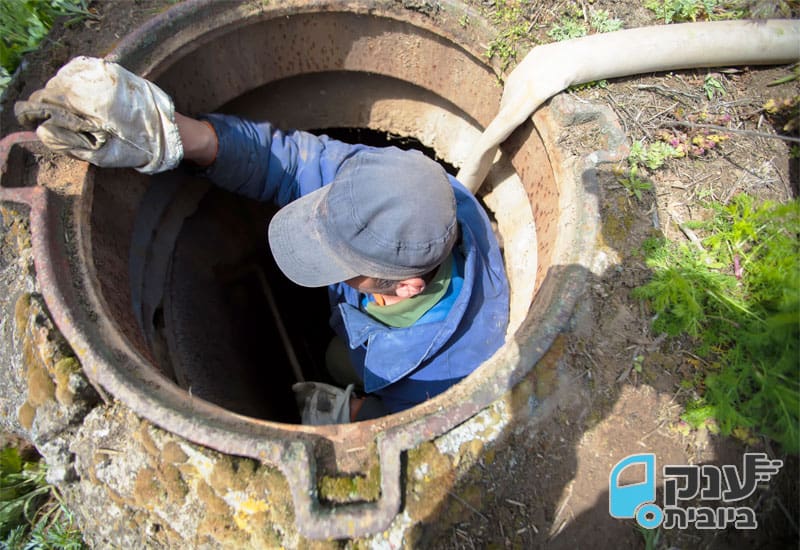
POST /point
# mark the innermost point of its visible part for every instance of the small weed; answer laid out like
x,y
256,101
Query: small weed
x,y
602,84
791,77
31,512
651,537
772,9
712,86
652,156
601,21
568,28
641,158
638,362
739,298
573,23
24,24
510,15
633,183
675,11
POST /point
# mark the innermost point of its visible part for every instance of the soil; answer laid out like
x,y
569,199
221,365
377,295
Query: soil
x,y
549,489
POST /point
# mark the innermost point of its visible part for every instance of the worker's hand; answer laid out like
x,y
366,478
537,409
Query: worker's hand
x,y
100,112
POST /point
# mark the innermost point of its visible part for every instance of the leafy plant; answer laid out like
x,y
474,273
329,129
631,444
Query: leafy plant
x,y
712,86
673,11
601,21
510,15
22,486
652,156
651,537
603,84
573,24
31,512
739,297
568,28
25,23
641,157
633,183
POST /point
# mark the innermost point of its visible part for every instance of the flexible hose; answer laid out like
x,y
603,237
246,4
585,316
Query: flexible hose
x,y
551,68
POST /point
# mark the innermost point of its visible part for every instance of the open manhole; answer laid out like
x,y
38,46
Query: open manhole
x,y
173,304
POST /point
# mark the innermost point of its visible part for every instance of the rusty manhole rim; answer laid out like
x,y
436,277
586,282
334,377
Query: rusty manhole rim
x,y
115,366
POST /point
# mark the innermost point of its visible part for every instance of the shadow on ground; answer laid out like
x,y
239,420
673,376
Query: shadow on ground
x,y
546,483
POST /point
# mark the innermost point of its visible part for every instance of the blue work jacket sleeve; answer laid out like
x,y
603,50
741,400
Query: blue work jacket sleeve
x,y
261,162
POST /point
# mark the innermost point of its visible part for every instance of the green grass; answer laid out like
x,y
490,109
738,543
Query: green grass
x,y
25,23
640,159
32,515
514,17
739,298
677,11
510,15
574,24
651,537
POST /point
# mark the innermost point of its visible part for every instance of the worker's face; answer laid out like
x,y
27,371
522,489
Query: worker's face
x,y
406,288
368,285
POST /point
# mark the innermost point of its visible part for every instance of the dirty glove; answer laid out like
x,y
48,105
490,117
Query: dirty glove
x,y
321,404
100,112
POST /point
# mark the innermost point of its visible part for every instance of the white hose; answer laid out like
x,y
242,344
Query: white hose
x,y
551,68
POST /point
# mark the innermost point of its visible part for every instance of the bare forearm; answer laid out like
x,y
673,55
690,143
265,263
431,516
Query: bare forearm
x,y
198,138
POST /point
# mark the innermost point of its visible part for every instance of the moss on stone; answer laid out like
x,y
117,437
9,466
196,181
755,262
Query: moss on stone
x,y
143,436
115,497
469,452
22,308
173,483
307,544
230,473
173,454
146,490
617,221
430,475
352,488
268,481
40,386
63,369
546,370
213,503
265,536
18,232
39,352
26,415
217,522
223,531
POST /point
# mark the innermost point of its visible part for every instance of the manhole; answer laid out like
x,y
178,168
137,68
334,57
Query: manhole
x,y
136,270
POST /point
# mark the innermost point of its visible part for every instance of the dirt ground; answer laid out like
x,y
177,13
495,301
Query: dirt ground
x,y
549,489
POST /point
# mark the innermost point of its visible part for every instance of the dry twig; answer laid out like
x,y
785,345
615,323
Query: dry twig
x,y
751,133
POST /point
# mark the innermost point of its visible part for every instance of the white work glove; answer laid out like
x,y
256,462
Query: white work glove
x,y
322,404
100,112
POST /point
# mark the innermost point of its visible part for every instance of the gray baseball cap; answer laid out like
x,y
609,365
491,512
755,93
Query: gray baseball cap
x,y
388,214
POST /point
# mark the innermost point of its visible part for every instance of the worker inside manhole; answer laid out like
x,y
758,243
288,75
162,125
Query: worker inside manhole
x,y
417,294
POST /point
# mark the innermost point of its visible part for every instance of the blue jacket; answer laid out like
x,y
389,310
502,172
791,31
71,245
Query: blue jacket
x,y
404,366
